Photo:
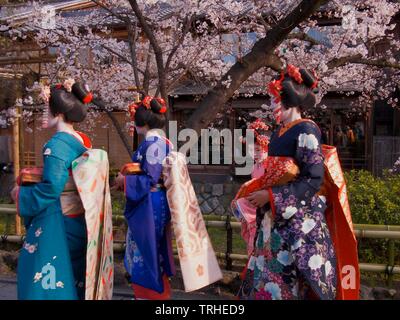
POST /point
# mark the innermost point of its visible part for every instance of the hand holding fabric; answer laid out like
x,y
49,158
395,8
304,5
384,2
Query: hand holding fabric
x,y
259,198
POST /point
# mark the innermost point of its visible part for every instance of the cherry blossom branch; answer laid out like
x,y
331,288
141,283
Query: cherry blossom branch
x,y
156,47
100,4
358,59
116,124
132,36
186,27
146,76
303,37
261,55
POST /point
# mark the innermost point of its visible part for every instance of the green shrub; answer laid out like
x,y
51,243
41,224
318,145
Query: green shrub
x,y
374,200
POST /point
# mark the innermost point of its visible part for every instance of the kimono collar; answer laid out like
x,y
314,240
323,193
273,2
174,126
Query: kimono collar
x,y
289,125
155,133
74,141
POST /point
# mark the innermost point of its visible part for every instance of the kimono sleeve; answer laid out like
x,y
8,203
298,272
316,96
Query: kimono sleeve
x,y
34,199
289,199
138,186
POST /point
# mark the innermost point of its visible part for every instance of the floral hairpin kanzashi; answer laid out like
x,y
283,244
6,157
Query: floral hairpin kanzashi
x,y
258,125
146,101
163,105
294,73
132,110
261,139
263,142
275,88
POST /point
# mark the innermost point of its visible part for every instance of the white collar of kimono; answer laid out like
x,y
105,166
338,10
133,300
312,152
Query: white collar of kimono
x,y
155,133
158,133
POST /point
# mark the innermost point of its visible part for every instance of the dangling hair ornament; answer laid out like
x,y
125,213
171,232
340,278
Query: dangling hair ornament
x,y
275,88
315,84
132,111
294,73
45,96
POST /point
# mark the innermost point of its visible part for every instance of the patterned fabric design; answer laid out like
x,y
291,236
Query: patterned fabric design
x,y
277,171
91,174
296,257
197,258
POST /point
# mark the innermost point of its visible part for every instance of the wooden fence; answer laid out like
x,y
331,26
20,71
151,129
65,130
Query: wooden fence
x,y
386,150
388,232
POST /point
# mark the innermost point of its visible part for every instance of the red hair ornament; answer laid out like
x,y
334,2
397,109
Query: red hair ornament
x,y
88,99
146,103
275,88
163,105
261,139
294,73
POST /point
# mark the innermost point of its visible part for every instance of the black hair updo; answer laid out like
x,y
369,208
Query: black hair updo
x,y
154,116
301,95
71,104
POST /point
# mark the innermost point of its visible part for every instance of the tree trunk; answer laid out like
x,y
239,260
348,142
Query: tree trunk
x,y
261,55
116,124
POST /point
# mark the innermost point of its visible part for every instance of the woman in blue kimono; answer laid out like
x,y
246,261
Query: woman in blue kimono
x,y
296,258
51,264
148,256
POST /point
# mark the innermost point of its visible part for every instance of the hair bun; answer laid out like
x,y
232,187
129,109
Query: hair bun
x,y
158,106
310,79
82,92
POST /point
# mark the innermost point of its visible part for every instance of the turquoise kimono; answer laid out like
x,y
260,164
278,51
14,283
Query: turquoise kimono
x,y
52,260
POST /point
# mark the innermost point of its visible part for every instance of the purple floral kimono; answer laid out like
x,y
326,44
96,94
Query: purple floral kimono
x,y
295,259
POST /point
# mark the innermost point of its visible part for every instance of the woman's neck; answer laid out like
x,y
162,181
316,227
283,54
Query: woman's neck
x,y
62,126
292,116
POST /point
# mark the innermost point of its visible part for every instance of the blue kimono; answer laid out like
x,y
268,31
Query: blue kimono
x,y
51,264
296,258
148,255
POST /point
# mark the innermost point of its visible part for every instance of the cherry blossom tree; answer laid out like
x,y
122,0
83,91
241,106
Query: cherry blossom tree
x,y
225,46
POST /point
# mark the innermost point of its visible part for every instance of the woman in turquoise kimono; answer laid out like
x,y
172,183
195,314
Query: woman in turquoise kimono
x,y
51,263
148,257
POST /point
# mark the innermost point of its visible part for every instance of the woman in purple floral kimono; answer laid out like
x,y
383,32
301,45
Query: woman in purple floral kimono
x,y
295,259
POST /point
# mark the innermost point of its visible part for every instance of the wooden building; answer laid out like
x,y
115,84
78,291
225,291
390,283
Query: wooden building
x,y
370,128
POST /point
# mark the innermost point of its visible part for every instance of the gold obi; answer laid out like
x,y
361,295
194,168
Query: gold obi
x,y
71,204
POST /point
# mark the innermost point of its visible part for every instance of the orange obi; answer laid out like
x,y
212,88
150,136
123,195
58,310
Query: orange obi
x,y
29,176
131,168
71,204
278,171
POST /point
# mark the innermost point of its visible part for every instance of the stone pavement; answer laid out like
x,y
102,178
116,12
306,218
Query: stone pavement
x,y
8,291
